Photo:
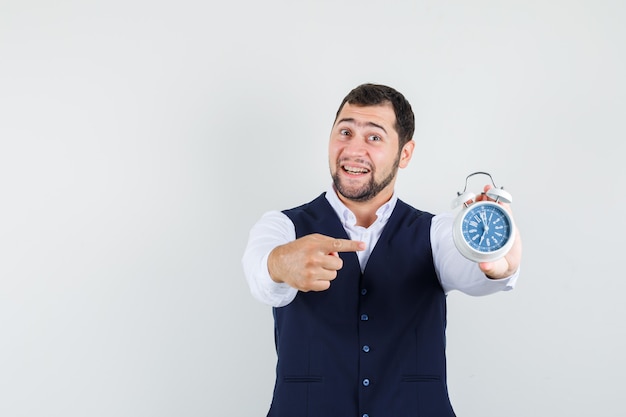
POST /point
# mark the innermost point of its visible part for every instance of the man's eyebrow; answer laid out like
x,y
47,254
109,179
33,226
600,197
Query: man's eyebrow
x,y
351,120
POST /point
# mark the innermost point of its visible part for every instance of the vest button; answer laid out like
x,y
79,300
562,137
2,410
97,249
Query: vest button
x,y
366,415
364,317
363,291
366,382
366,348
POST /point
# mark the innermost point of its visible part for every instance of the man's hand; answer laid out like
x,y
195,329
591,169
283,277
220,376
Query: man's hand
x,y
506,266
311,262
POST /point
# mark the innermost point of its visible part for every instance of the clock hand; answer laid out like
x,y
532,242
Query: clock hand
x,y
483,216
485,221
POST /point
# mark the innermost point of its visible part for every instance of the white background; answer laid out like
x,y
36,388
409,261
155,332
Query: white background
x,y
140,140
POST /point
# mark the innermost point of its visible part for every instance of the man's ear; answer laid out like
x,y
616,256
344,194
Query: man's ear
x,y
406,153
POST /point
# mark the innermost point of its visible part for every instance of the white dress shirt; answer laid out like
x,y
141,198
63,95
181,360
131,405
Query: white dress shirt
x,y
274,228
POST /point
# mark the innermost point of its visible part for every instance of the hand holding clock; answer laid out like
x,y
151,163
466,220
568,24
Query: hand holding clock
x,y
509,263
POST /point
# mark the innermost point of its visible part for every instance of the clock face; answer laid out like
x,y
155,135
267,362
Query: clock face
x,y
484,232
486,227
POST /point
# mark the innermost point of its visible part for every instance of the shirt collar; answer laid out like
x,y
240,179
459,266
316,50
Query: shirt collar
x,y
348,219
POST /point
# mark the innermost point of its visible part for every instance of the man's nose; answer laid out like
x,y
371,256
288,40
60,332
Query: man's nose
x,y
355,147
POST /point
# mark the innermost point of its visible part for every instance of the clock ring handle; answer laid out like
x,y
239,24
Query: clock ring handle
x,y
478,173
496,193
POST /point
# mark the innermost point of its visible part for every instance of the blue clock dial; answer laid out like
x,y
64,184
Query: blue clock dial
x,y
486,227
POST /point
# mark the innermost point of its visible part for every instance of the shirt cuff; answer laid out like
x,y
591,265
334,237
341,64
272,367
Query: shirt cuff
x,y
278,294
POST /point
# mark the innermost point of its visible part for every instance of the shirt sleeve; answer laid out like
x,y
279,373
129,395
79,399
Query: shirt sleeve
x,y
273,229
456,272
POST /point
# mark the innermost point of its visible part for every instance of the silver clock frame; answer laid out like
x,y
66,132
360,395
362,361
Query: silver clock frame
x,y
473,254
497,194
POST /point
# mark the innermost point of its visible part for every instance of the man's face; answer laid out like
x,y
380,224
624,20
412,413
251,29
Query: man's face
x,y
364,151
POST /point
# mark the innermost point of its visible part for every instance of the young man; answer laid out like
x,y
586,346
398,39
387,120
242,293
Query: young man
x,y
358,278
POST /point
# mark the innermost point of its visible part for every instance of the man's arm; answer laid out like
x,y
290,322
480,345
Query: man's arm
x,y
458,273
272,230
277,265
454,270
311,262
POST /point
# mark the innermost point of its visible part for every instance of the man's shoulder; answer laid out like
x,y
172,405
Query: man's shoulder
x,y
407,210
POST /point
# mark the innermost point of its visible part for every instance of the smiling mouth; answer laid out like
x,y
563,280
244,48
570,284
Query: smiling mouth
x,y
355,170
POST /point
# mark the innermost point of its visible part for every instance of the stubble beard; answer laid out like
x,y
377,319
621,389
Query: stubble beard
x,y
370,189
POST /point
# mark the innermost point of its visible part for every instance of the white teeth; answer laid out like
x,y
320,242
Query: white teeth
x,y
356,170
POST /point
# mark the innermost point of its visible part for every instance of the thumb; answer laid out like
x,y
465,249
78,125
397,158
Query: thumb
x,y
495,269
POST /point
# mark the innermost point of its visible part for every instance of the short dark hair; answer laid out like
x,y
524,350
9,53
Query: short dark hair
x,y
376,94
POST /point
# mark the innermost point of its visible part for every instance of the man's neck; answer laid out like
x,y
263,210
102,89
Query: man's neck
x,y
365,211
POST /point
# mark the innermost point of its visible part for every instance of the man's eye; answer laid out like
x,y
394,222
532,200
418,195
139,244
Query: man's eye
x,y
375,138
344,132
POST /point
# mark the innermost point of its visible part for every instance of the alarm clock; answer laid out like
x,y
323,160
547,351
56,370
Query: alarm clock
x,y
483,230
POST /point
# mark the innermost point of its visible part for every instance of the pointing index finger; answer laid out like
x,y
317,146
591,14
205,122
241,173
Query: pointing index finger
x,y
345,245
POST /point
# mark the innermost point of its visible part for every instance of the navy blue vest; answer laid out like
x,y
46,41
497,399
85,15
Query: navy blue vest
x,y
374,343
